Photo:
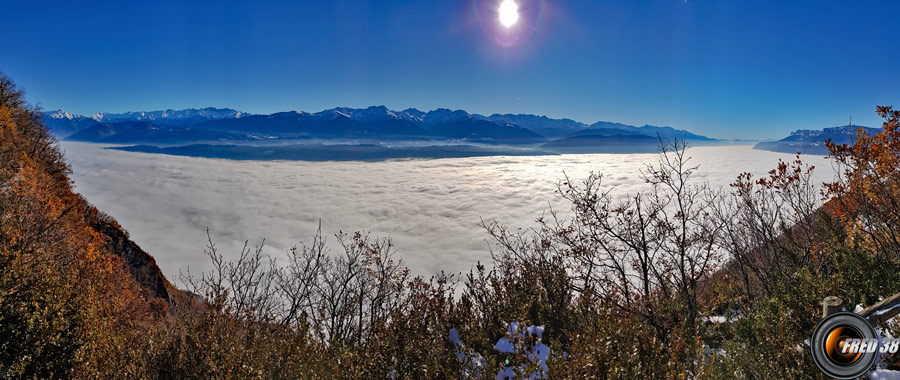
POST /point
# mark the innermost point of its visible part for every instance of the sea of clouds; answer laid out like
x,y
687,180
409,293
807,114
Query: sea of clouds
x,y
430,208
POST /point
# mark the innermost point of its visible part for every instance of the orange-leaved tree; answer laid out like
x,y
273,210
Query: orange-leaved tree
x,y
68,307
867,192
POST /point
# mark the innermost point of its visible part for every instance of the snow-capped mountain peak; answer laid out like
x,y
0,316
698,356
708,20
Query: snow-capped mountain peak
x,y
62,114
412,114
170,115
444,115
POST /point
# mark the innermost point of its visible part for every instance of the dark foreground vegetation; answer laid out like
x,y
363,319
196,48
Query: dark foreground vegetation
x,y
680,281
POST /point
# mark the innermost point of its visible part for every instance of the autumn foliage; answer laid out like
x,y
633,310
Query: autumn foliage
x,y
675,281
867,195
68,306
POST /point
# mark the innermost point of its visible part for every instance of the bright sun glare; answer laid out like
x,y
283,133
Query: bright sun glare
x,y
509,13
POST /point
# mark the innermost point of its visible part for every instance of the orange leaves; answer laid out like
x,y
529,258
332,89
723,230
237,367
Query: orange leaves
x,y
63,292
868,191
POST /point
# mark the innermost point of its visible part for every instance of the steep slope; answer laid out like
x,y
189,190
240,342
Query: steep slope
x,y
31,162
27,144
140,264
75,293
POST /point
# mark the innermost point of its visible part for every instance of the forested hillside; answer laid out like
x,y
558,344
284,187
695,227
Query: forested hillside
x,y
74,290
680,281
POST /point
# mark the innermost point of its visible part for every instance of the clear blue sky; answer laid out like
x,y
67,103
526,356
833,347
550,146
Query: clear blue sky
x,y
726,68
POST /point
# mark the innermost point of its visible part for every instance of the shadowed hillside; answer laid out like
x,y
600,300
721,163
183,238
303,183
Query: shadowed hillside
x,y
73,287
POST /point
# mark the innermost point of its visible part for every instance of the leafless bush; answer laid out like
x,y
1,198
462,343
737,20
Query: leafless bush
x,y
342,297
769,224
658,244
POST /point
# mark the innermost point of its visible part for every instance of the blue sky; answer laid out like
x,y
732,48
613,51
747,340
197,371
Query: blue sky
x,y
728,69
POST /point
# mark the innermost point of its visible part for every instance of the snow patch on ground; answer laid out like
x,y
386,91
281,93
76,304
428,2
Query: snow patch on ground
x,y
884,374
515,344
472,361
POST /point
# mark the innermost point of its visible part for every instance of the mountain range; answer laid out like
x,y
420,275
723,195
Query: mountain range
x,y
813,141
373,123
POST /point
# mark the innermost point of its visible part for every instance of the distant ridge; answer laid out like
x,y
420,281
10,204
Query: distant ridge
x,y
376,123
332,152
604,143
63,124
813,141
170,116
127,132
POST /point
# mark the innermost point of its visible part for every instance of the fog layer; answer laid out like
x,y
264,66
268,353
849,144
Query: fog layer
x,y
430,208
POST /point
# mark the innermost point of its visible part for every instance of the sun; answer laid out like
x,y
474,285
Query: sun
x,y
509,13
